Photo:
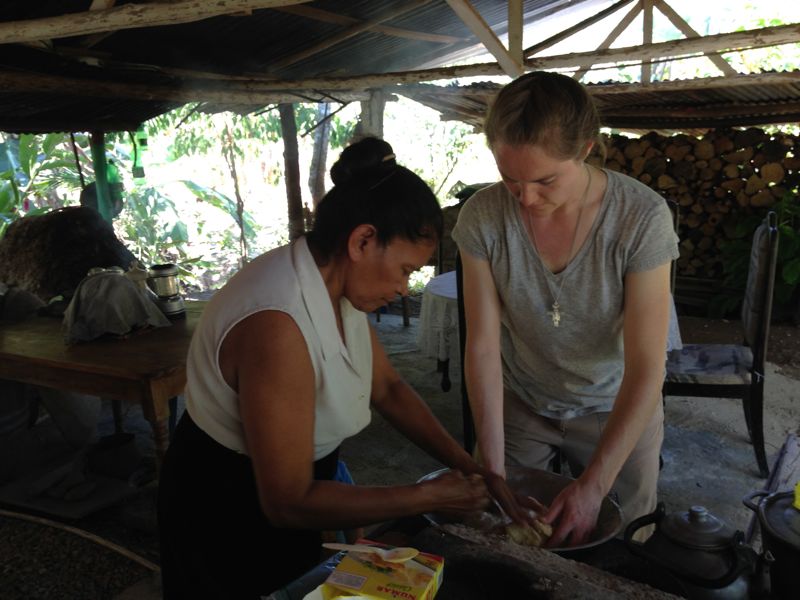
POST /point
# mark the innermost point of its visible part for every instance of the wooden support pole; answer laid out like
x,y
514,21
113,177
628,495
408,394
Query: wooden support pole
x,y
515,19
647,38
127,16
291,160
97,143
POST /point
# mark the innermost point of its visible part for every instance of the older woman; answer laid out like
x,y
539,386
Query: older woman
x,y
282,368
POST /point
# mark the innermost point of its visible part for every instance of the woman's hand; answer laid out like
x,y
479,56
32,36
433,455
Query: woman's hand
x,y
517,507
575,511
454,492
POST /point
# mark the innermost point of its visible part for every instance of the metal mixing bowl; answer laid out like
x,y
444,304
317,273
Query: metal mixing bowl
x,y
544,486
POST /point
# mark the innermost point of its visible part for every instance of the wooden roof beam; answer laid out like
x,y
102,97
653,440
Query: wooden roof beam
x,y
721,42
689,32
685,85
515,26
696,112
647,39
472,19
348,33
128,16
325,16
682,85
231,92
615,33
191,90
553,40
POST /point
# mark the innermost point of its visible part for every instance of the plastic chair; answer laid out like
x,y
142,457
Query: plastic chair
x,y
730,370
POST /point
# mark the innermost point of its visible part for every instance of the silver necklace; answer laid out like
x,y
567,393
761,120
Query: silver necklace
x,y
555,314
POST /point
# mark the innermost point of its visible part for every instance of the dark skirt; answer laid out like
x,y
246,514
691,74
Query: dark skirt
x,y
215,540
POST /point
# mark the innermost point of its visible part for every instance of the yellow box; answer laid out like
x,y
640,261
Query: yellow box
x,y
365,575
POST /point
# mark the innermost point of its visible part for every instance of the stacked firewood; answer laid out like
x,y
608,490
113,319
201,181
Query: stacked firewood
x,y
713,180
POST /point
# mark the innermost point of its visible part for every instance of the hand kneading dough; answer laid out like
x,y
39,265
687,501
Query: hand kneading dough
x,y
527,535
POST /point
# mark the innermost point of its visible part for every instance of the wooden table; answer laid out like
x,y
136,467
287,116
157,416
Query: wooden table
x,y
148,367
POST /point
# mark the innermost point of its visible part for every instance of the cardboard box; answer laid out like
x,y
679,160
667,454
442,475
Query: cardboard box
x,y
365,575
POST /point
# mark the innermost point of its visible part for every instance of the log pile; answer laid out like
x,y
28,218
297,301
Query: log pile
x,y
714,179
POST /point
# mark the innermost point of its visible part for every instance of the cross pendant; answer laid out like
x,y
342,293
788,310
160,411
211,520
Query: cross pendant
x,y
555,314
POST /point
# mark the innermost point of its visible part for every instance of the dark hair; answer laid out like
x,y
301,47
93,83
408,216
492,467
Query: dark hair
x,y
544,108
371,188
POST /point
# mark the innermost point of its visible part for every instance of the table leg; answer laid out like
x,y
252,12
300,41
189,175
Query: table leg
x,y
443,366
116,408
160,438
173,415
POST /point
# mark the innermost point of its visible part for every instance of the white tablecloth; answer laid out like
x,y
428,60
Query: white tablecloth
x,y
437,336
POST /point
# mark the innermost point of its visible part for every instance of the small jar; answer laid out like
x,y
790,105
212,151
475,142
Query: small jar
x,y
163,280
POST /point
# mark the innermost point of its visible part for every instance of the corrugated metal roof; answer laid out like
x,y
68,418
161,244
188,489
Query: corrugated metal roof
x,y
115,80
761,99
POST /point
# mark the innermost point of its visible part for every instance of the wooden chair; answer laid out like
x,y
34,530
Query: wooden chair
x,y
730,370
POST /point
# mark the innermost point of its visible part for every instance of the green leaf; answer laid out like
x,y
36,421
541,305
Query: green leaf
x,y
179,234
9,196
27,153
791,271
222,202
50,141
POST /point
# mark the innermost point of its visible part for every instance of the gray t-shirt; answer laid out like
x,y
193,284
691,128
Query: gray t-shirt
x,y
576,368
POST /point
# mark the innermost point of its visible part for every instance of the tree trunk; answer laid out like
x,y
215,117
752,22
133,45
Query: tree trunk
x,y
316,179
292,175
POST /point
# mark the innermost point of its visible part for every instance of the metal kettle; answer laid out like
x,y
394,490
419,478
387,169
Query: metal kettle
x,y
709,558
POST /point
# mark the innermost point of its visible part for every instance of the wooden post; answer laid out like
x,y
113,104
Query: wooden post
x,y
319,158
372,124
291,154
372,115
98,147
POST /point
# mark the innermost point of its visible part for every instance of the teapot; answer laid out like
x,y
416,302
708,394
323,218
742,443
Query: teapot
x,y
707,556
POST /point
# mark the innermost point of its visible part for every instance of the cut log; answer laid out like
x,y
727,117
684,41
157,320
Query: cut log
x,y
774,150
754,184
637,166
656,166
734,185
704,150
752,136
666,182
633,149
739,157
675,152
731,171
772,173
762,198
792,163
683,170
723,144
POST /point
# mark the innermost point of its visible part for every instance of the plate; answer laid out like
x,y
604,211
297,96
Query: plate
x,y
544,486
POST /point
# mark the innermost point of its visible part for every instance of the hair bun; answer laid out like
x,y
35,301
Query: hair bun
x,y
364,160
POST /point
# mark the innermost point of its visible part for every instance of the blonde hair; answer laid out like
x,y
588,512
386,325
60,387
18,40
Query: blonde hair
x,y
546,109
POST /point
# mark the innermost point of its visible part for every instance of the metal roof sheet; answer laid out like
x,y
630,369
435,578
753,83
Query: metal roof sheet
x,y
114,80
